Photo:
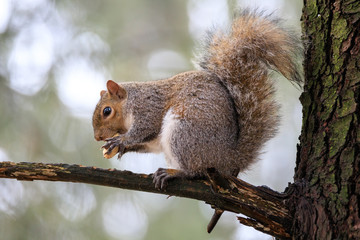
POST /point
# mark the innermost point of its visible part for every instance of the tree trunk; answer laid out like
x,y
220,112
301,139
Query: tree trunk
x,y
326,194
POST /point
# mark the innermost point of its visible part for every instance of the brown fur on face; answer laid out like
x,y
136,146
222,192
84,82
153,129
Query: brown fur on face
x,y
107,126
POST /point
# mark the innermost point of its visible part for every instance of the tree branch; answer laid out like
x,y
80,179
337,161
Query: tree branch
x,y
265,208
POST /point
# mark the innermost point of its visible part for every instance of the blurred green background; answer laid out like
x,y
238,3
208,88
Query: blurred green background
x,y
55,57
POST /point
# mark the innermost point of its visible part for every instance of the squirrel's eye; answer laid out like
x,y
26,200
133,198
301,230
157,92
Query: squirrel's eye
x,y
107,111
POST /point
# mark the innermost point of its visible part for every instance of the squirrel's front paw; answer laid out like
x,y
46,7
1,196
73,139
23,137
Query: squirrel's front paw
x,y
113,146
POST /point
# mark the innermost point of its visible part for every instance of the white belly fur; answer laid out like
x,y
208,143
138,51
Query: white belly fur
x,y
162,142
169,123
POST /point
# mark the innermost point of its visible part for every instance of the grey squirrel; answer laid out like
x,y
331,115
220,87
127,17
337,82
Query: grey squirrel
x,y
218,116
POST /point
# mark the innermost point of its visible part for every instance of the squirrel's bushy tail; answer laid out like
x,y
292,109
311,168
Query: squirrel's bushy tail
x,y
241,59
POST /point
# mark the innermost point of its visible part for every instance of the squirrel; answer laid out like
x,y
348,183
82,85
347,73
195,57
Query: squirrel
x,y
218,116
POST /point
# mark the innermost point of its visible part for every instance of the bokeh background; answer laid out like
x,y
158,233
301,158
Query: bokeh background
x,y
55,57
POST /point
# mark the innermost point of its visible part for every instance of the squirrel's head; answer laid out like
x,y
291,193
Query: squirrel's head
x,y
109,116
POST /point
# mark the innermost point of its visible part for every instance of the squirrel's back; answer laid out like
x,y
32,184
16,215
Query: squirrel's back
x,y
241,59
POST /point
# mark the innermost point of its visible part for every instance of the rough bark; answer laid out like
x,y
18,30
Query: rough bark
x,y
264,207
326,193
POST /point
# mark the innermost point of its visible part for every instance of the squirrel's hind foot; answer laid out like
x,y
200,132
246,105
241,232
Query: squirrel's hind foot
x,y
163,175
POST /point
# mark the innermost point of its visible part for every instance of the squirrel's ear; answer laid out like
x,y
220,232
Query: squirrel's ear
x,y
102,92
115,89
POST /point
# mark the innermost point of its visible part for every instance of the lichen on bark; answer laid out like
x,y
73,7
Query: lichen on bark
x,y
329,151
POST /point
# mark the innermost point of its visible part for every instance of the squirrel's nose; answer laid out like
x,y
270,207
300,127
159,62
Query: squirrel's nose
x,y
98,137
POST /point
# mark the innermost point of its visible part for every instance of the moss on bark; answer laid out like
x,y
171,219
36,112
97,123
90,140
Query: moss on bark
x,y
329,153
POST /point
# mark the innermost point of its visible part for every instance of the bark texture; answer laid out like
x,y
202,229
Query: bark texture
x,y
326,193
264,207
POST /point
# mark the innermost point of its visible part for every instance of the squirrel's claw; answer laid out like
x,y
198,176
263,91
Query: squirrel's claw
x,y
112,143
162,176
